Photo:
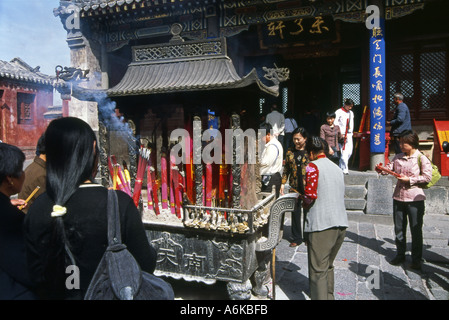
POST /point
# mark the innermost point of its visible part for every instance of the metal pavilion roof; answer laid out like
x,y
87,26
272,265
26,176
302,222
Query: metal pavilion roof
x,y
183,67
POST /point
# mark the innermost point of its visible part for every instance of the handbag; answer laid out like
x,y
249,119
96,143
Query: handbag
x,y
118,275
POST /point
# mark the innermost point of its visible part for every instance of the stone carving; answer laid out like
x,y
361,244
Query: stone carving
x,y
283,204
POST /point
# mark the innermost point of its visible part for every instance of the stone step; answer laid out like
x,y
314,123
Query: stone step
x,y
371,193
355,192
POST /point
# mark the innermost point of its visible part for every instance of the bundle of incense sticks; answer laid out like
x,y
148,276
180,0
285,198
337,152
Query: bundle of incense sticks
x,y
127,175
118,177
150,187
29,197
144,156
164,181
152,192
208,193
175,186
379,167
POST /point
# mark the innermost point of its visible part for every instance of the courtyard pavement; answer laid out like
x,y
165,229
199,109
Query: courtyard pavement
x,y
362,270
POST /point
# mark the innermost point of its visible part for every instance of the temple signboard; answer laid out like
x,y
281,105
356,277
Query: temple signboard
x,y
298,32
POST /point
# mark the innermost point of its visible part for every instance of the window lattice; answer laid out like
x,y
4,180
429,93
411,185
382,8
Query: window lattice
x,y
429,80
433,80
25,104
351,91
401,78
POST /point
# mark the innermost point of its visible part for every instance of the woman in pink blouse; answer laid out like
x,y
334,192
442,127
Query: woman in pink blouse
x,y
409,197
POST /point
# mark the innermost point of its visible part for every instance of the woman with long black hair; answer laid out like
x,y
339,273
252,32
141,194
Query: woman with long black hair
x,y
67,225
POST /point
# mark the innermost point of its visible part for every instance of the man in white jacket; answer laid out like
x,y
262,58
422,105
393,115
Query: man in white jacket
x,y
277,121
345,120
271,161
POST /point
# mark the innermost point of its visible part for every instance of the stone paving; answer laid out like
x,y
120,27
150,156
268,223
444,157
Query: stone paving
x,y
368,246
365,253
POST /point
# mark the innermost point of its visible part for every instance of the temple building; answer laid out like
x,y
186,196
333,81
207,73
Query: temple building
x,y
26,101
169,59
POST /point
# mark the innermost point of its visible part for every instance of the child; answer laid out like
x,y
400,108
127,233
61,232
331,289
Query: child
x,y
331,133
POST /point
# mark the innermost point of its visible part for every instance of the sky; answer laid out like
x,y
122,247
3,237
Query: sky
x,y
29,30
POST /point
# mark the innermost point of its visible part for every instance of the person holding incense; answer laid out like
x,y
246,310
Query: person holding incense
x,y
294,172
73,213
408,196
35,175
15,282
325,215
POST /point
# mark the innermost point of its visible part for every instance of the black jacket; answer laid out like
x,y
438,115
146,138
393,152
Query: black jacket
x,y
86,227
14,278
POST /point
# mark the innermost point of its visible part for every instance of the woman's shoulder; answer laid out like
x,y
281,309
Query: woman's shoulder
x,y
421,157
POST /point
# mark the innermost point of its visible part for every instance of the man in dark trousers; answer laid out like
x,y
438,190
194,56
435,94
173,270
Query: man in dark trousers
x,y
401,121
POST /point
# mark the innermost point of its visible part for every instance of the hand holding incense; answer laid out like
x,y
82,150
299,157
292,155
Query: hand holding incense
x,y
379,168
29,197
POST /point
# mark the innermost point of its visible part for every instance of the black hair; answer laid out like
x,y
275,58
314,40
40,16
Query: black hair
x,y
349,102
315,145
302,131
71,160
11,161
331,114
40,147
325,147
267,127
71,157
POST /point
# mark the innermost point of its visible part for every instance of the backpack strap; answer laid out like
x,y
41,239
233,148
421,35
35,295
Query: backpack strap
x,y
114,232
419,163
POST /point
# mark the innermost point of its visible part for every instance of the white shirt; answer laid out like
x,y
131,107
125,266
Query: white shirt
x,y
272,157
341,119
277,121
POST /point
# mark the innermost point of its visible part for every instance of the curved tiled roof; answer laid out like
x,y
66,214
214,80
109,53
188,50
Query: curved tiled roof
x,y
187,75
180,66
88,5
19,70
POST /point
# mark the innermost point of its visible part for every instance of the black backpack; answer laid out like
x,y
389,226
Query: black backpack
x,y
118,275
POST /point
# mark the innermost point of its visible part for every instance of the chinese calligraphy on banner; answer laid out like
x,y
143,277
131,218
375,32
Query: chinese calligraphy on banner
x,y
377,89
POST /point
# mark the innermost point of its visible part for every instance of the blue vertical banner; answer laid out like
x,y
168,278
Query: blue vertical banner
x,y
377,88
